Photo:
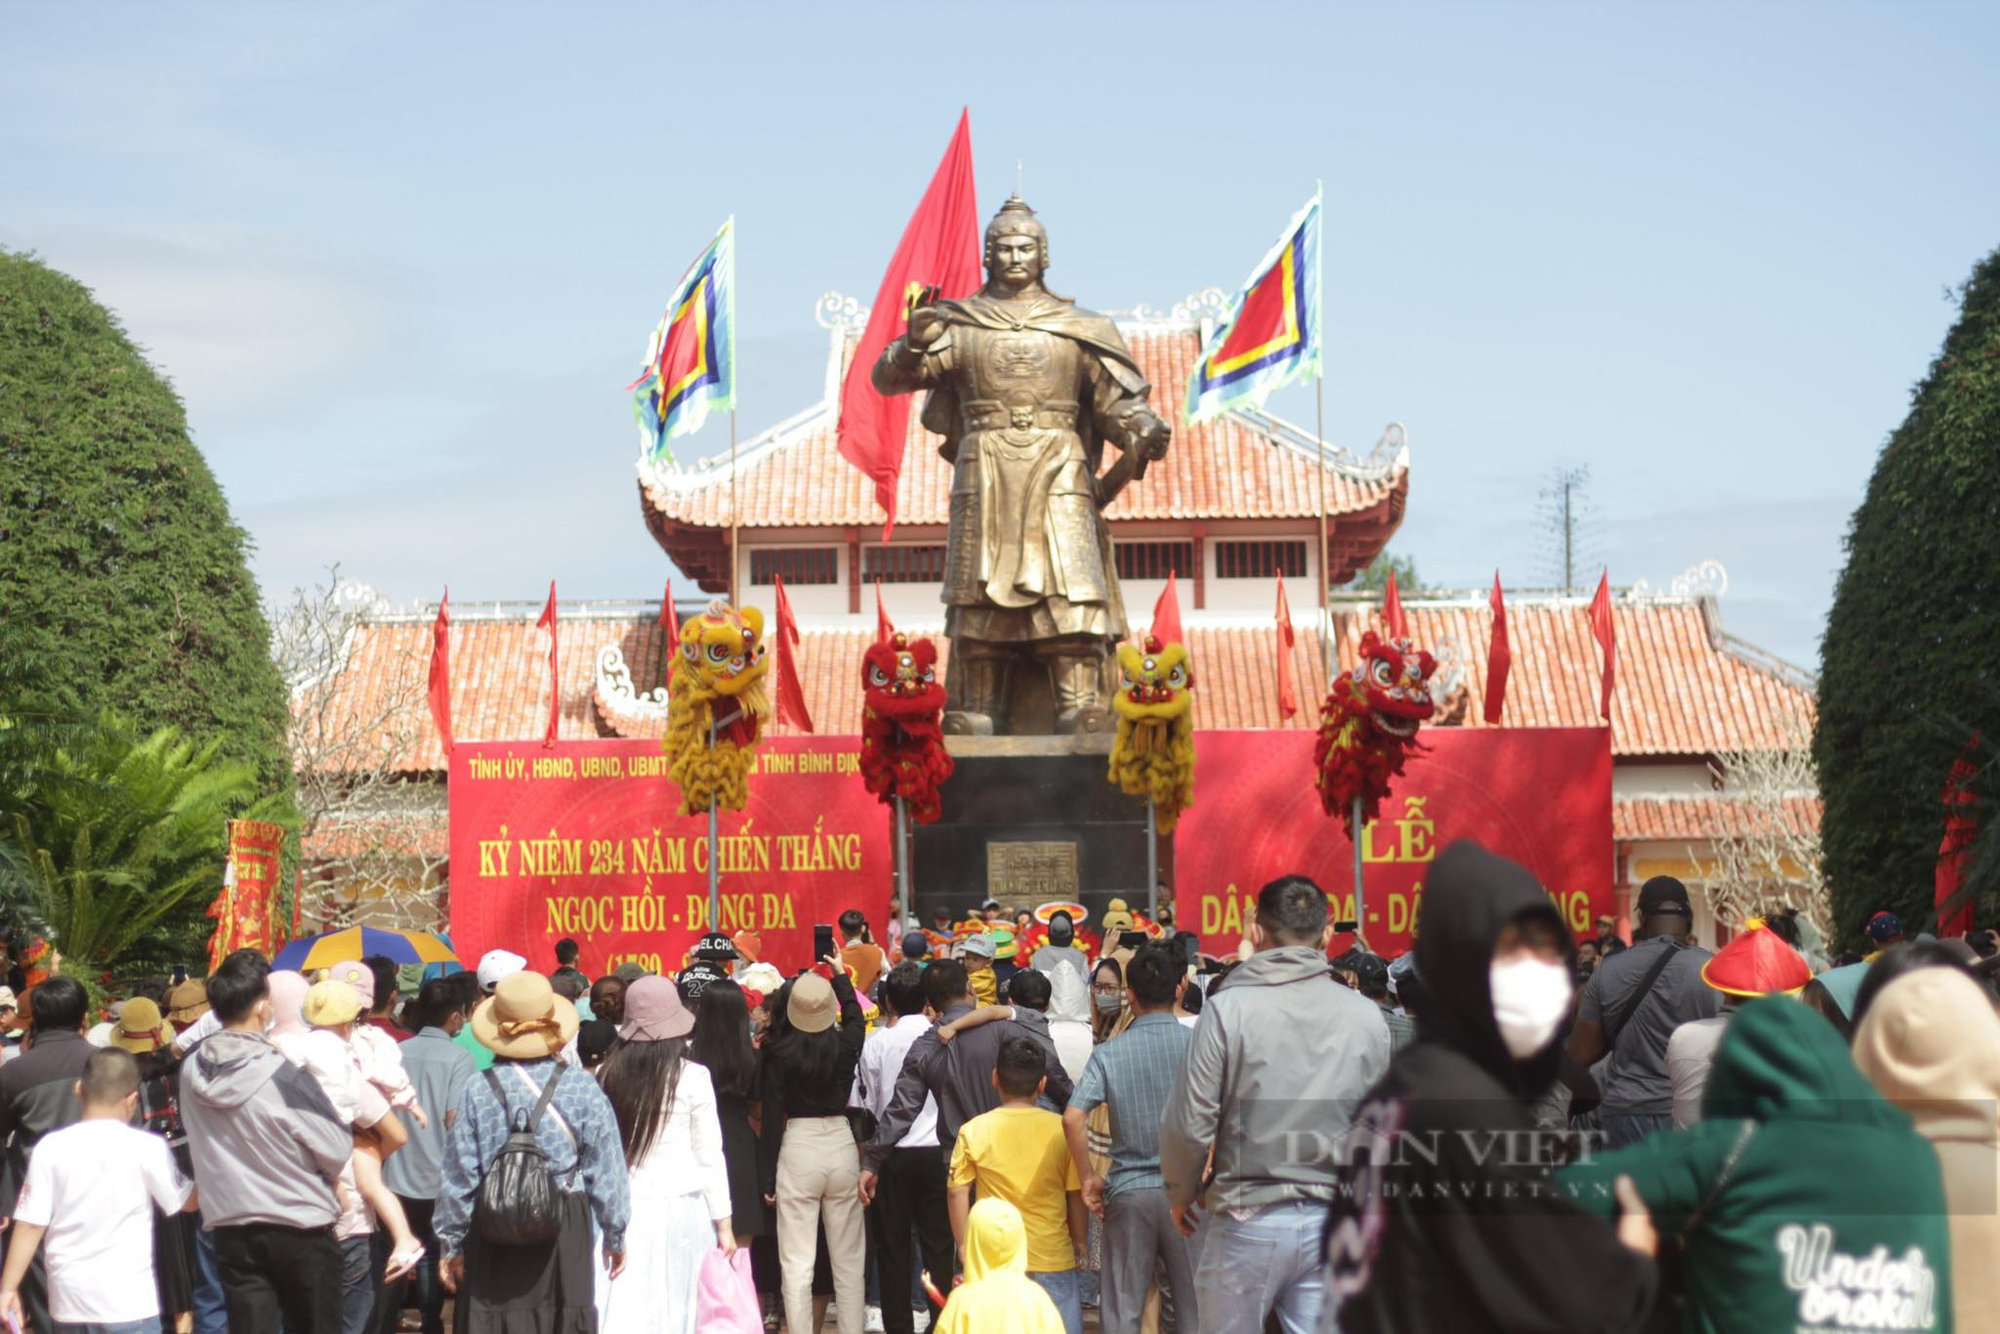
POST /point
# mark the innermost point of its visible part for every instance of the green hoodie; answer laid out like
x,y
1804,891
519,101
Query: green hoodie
x,y
1830,1217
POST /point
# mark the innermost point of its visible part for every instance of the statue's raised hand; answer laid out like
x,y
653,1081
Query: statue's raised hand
x,y
926,327
1151,436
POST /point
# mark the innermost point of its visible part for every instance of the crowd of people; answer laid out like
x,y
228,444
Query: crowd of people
x,y
1007,1120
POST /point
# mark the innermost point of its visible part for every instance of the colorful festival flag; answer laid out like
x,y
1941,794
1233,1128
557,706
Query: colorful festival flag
x,y
440,682
939,249
691,360
1499,657
244,911
1607,639
547,621
1288,695
1270,337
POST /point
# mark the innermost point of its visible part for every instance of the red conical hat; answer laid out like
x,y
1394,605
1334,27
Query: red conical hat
x,y
1757,963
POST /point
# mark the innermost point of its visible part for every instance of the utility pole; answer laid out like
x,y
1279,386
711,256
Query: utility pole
x,y
1564,503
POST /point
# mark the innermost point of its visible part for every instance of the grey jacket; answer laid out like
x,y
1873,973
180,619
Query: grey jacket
x,y
267,1144
1281,1057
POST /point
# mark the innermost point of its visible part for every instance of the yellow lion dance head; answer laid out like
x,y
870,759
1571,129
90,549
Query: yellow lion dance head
x,y
717,686
1153,753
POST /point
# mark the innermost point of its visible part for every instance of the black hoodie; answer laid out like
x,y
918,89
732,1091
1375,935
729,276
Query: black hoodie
x,y
1446,1217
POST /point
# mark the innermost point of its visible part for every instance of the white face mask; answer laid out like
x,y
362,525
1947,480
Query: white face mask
x,y
1530,1001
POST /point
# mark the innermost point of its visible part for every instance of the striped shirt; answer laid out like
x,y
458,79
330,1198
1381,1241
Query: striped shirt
x,y
1133,1074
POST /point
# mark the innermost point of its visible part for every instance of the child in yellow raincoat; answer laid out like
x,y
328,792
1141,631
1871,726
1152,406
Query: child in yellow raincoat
x,y
997,1296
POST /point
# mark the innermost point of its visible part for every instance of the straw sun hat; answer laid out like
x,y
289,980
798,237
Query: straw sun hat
x,y
524,1019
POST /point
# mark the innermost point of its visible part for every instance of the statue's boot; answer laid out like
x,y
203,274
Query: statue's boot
x,y
982,676
1077,673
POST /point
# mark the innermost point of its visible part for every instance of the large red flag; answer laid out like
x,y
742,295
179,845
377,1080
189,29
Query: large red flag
x,y
1392,609
670,625
1499,656
940,248
440,686
885,630
791,695
1166,625
547,622
1288,695
1961,827
1607,638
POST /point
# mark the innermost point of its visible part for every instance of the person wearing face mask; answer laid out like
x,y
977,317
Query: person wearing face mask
x,y
1446,1216
1283,1054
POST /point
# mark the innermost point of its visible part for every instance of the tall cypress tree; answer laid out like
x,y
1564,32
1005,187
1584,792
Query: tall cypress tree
x,y
1908,666
122,575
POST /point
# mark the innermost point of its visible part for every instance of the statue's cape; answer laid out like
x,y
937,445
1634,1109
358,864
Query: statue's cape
x,y
1044,314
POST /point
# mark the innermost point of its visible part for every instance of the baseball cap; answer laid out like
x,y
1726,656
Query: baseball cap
x,y
715,946
1663,894
694,980
1883,926
1371,971
916,945
495,965
979,945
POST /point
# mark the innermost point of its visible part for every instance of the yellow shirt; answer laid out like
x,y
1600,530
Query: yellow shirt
x,y
1018,1154
985,987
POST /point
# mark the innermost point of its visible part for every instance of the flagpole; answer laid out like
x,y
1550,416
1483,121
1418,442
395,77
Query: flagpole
x,y
1360,894
1152,860
714,863
1326,658
902,866
732,500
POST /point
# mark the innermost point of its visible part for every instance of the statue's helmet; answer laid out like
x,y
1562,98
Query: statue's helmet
x,y
1015,218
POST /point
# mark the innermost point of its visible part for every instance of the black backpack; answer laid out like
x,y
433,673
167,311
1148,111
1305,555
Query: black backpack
x,y
519,1202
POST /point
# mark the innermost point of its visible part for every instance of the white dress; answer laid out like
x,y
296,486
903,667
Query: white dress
x,y
679,1190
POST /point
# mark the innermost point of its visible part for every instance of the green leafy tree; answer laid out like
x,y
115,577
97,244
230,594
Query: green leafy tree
x,y
119,841
1374,578
1914,632
122,575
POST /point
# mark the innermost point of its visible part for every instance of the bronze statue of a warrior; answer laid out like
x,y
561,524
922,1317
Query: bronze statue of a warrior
x,y
1027,389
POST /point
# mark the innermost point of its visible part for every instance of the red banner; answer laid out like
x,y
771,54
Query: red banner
x,y
1541,796
581,840
244,910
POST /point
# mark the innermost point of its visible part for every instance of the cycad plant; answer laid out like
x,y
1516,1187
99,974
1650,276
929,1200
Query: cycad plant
x,y
121,836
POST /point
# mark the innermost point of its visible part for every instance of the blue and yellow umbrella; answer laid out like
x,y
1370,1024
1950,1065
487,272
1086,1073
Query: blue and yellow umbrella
x,y
363,942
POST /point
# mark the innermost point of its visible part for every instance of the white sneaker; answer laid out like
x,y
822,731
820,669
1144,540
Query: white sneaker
x,y
873,1324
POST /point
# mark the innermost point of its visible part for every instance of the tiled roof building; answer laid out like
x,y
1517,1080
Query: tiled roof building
x,y
1236,502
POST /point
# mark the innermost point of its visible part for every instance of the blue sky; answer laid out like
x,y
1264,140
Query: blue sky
x,y
401,261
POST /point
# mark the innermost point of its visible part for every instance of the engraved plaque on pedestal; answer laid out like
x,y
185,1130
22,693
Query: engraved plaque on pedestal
x,y
1031,872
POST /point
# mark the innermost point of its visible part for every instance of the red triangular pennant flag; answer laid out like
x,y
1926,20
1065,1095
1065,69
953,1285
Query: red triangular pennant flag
x,y
1607,638
940,248
440,684
547,621
670,625
1392,609
1166,625
884,629
791,695
1961,828
1499,656
1288,695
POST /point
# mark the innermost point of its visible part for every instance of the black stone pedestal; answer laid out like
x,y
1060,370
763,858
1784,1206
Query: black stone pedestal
x,y
1028,819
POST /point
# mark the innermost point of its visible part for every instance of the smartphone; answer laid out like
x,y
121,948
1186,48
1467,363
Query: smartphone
x,y
1345,926
822,941
1131,940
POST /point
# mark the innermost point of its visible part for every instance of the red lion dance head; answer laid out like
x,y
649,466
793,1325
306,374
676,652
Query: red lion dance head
x,y
1368,725
902,746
